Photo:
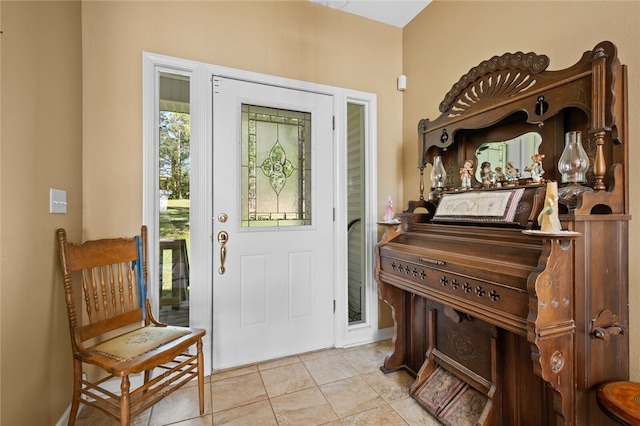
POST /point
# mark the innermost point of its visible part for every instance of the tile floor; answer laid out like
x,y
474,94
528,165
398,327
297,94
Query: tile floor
x,y
331,387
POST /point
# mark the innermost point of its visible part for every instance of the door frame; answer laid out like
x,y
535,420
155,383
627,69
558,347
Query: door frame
x,y
201,213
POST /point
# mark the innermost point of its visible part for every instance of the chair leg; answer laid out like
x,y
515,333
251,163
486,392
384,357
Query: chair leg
x,y
77,386
200,376
125,402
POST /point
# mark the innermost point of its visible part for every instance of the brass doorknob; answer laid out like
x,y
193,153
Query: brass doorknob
x,y
223,237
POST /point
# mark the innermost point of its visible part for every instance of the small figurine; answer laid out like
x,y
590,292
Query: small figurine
x,y
487,174
548,217
389,214
499,177
466,172
513,174
535,168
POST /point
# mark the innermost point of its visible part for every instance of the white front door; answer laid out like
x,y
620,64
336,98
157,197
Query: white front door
x,y
273,230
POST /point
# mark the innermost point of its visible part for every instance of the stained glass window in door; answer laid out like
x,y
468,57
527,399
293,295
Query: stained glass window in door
x,y
276,167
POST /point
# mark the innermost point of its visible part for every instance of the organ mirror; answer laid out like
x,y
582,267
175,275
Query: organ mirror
x,y
515,153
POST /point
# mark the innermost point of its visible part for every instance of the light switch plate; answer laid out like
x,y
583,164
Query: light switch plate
x,y
57,201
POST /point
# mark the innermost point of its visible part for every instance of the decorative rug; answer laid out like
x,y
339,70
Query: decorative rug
x,y
450,399
138,342
438,390
465,409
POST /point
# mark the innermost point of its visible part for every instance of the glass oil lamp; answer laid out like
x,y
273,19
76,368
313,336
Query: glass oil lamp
x,y
422,162
438,179
573,165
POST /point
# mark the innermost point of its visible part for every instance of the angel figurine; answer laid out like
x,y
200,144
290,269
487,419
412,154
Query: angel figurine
x,y
466,172
512,172
389,214
487,174
499,177
535,168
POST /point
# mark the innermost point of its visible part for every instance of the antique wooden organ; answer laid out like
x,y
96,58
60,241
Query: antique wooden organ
x,y
500,326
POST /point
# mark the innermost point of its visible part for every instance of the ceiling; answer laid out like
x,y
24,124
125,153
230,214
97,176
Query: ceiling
x,y
393,12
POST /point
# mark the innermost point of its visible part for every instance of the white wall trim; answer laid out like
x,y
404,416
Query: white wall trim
x,y
201,211
200,215
366,331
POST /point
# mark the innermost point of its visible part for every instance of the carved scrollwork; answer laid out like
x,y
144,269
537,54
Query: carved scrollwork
x,y
464,345
422,125
496,77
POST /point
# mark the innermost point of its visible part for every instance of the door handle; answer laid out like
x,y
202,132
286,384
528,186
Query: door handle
x,y
223,237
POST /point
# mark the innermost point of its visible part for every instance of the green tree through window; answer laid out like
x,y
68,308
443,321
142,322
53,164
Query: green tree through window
x,y
175,136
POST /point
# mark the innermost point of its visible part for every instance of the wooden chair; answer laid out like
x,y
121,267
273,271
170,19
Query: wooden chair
x,y
620,401
118,332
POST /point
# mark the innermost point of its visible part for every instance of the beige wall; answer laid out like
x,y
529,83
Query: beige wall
x,y
297,40
41,146
71,119
450,37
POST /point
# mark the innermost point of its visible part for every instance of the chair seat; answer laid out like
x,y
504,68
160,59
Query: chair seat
x,y
112,354
620,401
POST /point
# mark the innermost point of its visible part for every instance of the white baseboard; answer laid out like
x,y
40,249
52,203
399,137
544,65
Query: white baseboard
x,y
366,336
384,334
64,420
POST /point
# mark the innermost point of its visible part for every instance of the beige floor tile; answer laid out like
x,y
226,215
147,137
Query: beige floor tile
x,y
180,405
337,422
351,396
225,374
365,361
305,408
255,414
278,363
366,346
353,391
90,417
413,413
317,354
330,369
236,391
379,416
286,379
392,387
198,421
384,346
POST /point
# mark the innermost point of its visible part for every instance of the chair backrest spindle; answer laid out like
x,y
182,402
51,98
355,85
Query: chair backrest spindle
x,y
85,291
109,283
94,292
103,288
